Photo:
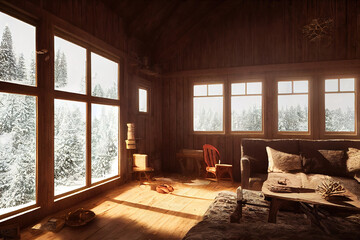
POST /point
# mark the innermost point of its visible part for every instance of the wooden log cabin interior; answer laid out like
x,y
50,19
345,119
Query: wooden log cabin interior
x,y
235,74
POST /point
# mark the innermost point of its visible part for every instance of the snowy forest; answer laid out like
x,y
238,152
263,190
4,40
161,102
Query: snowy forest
x,y
18,133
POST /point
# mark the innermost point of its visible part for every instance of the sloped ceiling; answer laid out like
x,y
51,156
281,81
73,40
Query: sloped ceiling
x,y
165,26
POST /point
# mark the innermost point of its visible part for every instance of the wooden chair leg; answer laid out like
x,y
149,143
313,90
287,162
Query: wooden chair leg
x,y
231,175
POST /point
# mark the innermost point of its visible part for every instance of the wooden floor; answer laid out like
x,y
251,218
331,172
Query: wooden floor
x,y
135,211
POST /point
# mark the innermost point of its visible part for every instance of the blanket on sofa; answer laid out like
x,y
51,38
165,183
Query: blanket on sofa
x,y
254,225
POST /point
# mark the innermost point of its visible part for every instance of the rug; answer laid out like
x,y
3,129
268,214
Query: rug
x,y
254,225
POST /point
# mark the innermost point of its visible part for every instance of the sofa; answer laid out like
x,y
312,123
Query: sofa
x,y
318,157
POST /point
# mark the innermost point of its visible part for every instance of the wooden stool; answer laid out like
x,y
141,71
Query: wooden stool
x,y
143,173
222,169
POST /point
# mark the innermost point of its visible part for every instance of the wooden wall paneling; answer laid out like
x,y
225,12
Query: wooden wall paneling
x,y
357,37
158,122
179,114
268,32
351,29
166,124
187,124
173,119
340,28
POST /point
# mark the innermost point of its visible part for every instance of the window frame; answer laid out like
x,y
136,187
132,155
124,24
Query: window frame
x,y
27,90
330,134
208,82
306,134
88,99
248,80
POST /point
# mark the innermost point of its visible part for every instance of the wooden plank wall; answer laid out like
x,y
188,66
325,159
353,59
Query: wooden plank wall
x,y
90,15
259,32
148,126
177,122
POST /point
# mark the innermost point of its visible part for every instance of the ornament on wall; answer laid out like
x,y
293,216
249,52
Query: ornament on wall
x,y
319,29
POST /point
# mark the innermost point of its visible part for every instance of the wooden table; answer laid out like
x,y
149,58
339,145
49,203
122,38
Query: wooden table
x,y
195,156
303,191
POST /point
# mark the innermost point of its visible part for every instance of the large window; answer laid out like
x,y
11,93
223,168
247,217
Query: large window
x,y
246,106
293,102
340,105
18,115
208,107
73,113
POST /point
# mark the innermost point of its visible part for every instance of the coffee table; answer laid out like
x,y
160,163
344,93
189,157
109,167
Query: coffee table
x,y
303,191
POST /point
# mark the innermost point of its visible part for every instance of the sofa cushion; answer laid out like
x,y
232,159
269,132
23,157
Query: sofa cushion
x,y
326,163
255,149
353,161
283,162
329,162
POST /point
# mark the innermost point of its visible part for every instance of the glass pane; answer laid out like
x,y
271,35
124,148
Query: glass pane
x,y
69,66
331,85
104,77
17,51
17,151
200,90
104,142
293,113
301,86
208,114
246,113
142,100
215,89
238,89
340,112
254,87
347,84
284,87
69,145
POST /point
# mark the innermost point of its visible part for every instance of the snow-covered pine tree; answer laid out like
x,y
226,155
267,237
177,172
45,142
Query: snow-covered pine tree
x,y
21,69
20,179
98,91
60,72
7,57
32,70
69,146
104,148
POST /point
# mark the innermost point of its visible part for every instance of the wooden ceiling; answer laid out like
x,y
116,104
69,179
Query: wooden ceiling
x,y
164,26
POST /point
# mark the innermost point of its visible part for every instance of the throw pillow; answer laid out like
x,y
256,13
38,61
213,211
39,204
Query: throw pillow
x,y
336,161
282,162
314,162
353,161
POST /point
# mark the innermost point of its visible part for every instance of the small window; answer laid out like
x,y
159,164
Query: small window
x,y
246,106
340,105
143,100
293,102
208,108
